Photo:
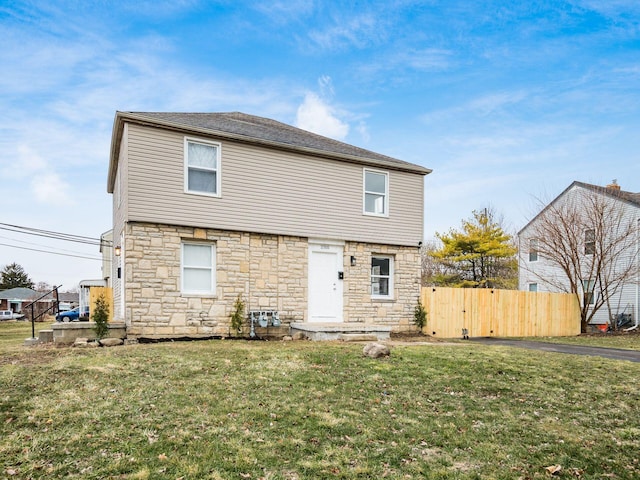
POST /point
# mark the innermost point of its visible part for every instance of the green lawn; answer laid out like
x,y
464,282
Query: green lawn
x,y
302,410
627,341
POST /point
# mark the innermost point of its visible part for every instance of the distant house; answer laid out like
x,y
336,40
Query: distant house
x,y
14,298
537,273
209,207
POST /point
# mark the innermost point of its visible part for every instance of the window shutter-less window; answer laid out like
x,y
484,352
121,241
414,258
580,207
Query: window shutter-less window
x,y
375,193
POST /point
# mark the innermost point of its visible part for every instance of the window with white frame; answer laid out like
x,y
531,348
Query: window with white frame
x,y
381,276
533,287
533,250
202,167
588,287
376,193
589,241
198,267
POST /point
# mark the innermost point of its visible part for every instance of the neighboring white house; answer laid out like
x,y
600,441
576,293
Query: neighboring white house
x,y
208,207
539,274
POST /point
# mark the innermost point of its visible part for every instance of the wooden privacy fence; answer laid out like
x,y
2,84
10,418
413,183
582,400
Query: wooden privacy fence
x,y
499,313
95,292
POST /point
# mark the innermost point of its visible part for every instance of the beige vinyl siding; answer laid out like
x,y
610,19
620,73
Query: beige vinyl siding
x,y
268,191
119,218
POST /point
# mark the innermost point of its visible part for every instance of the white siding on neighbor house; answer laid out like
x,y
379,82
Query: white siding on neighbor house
x,y
264,190
541,271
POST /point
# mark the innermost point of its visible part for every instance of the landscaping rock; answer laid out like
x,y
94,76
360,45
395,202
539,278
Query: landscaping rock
x,y
81,342
111,342
376,350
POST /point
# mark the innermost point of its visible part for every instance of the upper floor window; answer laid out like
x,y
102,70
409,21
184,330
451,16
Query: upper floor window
x,y
533,287
376,193
381,276
198,268
589,241
533,250
202,167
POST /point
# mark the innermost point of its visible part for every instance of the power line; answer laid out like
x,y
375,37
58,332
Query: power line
x,y
56,235
40,245
50,252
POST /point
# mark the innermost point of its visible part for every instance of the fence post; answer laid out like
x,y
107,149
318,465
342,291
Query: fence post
x,y
33,323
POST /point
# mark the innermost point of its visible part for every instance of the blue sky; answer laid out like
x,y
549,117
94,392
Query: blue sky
x,y
506,101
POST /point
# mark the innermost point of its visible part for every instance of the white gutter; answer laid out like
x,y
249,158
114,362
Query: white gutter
x,y
637,276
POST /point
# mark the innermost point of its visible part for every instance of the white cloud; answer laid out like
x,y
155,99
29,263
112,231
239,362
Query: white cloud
x,y
28,161
48,188
360,31
317,116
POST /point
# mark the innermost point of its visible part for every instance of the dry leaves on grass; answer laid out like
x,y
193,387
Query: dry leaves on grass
x,y
553,469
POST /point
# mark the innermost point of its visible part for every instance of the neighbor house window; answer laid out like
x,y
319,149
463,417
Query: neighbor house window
x,y
533,250
376,193
589,241
588,287
533,287
381,276
202,167
198,268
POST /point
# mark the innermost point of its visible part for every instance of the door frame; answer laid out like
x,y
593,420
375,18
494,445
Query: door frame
x,y
323,245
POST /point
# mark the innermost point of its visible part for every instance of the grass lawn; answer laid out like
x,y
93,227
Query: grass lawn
x,y
302,410
627,341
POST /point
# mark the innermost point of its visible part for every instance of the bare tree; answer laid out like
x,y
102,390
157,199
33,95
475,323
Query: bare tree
x,y
591,245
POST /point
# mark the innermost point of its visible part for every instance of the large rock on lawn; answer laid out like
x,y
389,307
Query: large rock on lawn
x,y
376,350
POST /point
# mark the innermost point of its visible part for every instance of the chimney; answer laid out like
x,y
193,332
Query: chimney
x,y
614,185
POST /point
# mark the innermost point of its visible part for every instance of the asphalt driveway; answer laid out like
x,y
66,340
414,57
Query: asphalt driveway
x,y
613,353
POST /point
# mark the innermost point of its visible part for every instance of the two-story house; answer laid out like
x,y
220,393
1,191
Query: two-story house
x,y
209,207
586,241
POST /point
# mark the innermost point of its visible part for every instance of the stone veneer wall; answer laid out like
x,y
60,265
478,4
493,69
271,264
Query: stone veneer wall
x,y
358,304
269,271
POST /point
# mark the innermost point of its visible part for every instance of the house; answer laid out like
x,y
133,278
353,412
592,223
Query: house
x,y
592,219
212,207
106,250
15,298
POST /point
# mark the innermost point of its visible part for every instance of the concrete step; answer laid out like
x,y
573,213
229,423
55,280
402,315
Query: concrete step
x,y
358,337
45,336
341,331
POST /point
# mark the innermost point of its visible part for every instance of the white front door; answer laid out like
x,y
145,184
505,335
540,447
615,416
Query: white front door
x,y
325,282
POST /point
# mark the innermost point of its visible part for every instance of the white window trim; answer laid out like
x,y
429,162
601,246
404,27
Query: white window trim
x,y
364,192
201,293
218,170
589,287
533,250
392,272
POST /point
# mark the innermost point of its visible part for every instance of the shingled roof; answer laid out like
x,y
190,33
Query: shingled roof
x,y
612,191
255,130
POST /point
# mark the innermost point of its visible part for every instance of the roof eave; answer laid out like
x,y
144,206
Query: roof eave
x,y
122,117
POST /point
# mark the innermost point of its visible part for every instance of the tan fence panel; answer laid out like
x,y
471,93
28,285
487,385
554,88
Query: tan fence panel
x,y
499,313
95,292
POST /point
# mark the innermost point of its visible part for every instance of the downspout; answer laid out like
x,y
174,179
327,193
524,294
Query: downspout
x,y
637,276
